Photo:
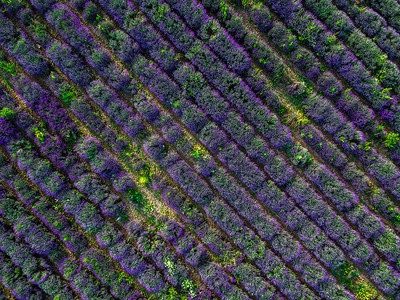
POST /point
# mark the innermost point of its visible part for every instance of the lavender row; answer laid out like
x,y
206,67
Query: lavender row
x,y
140,32
372,57
89,149
35,269
317,142
225,108
204,20
99,162
341,60
358,253
362,46
20,48
151,115
70,28
101,95
154,113
217,244
389,9
72,66
55,185
74,198
229,154
314,138
155,242
301,57
52,181
27,227
92,90
305,60
330,114
74,241
345,133
102,163
107,167
362,116
248,172
17,283
177,167
369,224
371,24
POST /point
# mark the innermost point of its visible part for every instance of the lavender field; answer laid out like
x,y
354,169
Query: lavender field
x,y
200,149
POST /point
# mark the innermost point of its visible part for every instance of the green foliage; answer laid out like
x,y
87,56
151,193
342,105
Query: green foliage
x,y
71,137
135,196
346,274
39,30
391,139
105,27
396,219
7,113
173,295
189,287
68,97
7,70
311,26
224,9
162,9
197,152
67,93
383,93
367,146
247,3
364,290
39,135
12,3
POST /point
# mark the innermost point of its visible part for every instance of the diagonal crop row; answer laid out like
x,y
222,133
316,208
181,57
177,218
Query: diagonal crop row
x,y
43,243
104,171
317,142
35,268
92,198
341,60
310,134
16,284
183,143
73,241
256,11
320,149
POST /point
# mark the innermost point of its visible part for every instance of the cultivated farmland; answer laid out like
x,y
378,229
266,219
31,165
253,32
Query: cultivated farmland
x,y
200,149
